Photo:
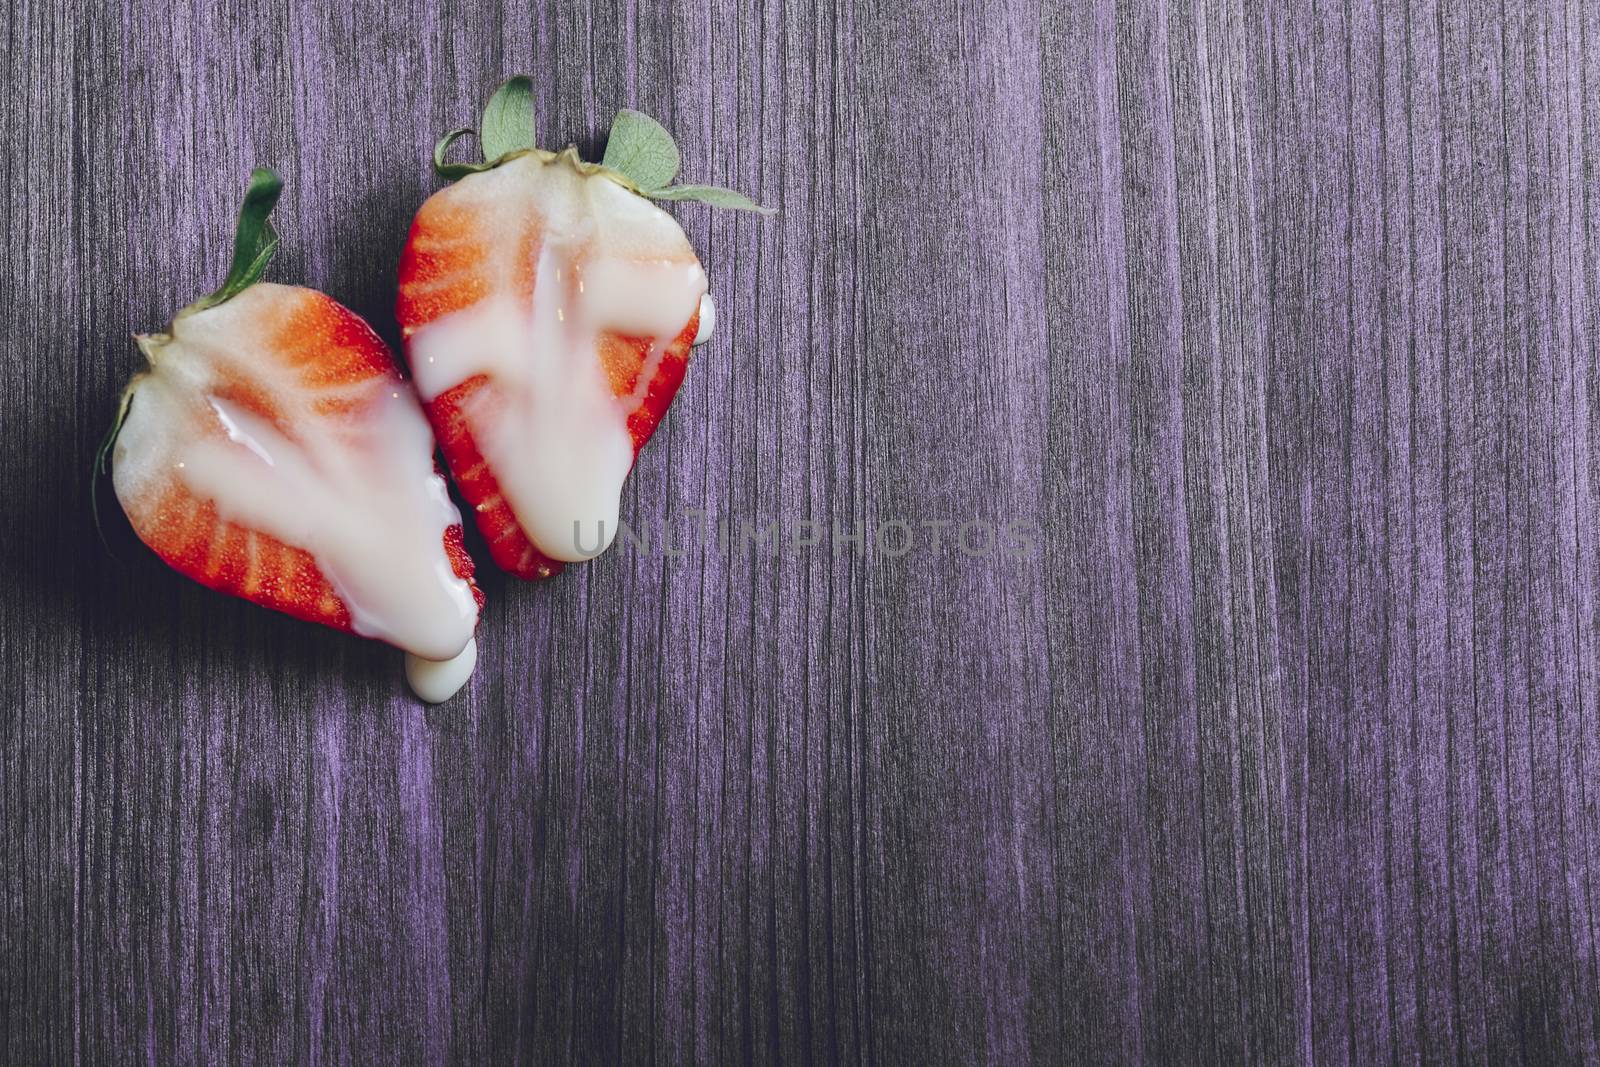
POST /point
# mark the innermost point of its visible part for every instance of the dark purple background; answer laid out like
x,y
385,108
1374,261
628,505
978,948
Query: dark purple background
x,y
1278,318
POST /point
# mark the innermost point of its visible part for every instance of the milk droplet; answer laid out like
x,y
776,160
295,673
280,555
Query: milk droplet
x,y
708,320
436,681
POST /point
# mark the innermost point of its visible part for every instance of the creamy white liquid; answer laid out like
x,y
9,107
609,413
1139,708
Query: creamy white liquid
x,y
708,321
437,681
549,424
359,493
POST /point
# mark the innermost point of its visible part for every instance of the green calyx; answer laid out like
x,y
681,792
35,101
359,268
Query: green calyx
x,y
641,155
254,242
102,458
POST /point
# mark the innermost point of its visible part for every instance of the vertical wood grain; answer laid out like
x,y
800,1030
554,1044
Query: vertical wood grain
x,y
1277,320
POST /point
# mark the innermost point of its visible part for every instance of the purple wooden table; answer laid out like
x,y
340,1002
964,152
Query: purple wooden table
x,y
1276,320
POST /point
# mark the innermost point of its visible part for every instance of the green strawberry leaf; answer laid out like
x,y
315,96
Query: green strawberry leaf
x,y
714,195
641,155
642,150
253,243
102,462
508,119
454,171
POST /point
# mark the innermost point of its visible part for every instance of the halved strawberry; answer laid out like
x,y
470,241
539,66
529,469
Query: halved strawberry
x,y
273,451
548,309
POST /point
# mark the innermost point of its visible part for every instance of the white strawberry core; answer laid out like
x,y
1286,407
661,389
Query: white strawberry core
x,y
359,493
551,429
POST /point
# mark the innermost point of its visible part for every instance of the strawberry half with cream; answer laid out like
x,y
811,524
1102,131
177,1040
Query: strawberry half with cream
x,y
273,451
548,308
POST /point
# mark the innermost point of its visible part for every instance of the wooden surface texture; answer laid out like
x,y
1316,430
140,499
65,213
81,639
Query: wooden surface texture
x,y
1277,322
